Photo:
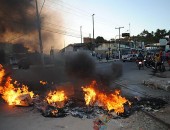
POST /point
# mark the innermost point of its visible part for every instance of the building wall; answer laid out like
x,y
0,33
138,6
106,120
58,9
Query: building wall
x,y
87,39
69,49
106,46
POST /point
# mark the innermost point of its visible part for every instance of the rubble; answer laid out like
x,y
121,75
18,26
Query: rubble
x,y
25,100
73,108
157,84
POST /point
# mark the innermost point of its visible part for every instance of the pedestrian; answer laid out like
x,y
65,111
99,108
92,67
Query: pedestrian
x,y
168,58
163,56
157,60
160,54
107,57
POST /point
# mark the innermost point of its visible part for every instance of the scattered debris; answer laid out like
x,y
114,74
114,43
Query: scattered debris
x,y
25,100
157,84
76,109
100,123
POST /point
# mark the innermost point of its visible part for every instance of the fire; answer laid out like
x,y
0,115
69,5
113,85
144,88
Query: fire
x,y
13,95
2,73
90,94
56,98
43,82
113,101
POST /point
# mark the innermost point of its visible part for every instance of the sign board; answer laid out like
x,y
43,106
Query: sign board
x,y
163,42
125,34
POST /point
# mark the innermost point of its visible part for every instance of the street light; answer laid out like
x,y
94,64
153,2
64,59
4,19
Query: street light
x,y
93,26
119,39
81,33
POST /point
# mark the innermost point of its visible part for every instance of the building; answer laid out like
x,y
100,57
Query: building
x,y
74,48
104,47
87,39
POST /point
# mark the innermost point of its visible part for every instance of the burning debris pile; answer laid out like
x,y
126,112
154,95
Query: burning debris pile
x,y
58,103
13,93
112,101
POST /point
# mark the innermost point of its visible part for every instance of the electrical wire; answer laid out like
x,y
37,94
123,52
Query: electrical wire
x,y
83,12
41,7
63,33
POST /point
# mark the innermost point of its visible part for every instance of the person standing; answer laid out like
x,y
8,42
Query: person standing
x,y
168,58
107,57
157,61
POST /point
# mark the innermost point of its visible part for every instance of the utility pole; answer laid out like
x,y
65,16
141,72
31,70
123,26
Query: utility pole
x,y
93,26
81,33
64,47
39,33
129,28
119,39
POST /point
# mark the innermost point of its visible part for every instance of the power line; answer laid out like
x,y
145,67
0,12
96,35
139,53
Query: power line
x,y
80,11
63,33
66,28
41,7
76,13
66,5
53,28
15,38
73,32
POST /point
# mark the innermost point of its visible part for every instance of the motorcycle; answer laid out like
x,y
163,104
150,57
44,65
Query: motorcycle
x,y
140,64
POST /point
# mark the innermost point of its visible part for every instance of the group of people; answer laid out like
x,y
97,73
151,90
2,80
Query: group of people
x,y
156,60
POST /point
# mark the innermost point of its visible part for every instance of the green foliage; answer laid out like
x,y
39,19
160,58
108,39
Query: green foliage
x,y
151,37
89,46
99,39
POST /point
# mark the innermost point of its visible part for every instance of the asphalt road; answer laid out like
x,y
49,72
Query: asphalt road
x,y
20,118
132,78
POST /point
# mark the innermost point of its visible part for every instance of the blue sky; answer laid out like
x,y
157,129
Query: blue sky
x,y
140,14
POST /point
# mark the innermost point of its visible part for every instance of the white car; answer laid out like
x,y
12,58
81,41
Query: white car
x,y
129,57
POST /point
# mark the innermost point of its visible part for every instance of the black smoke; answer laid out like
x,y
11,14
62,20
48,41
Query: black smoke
x,y
83,69
80,65
17,16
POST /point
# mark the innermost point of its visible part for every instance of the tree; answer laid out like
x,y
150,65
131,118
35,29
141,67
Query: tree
x,y
90,46
99,39
159,34
152,37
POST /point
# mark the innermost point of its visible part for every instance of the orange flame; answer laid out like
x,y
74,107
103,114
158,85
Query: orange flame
x,y
43,82
2,73
90,94
12,95
112,101
56,98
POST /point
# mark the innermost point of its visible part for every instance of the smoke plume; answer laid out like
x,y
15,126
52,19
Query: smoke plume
x,y
18,24
17,16
82,68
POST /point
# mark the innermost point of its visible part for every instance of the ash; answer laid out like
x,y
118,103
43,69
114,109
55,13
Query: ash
x,y
77,108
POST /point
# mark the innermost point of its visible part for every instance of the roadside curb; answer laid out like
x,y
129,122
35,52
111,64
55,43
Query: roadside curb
x,y
105,61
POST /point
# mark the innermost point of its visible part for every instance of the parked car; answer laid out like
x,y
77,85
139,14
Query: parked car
x,y
129,57
23,63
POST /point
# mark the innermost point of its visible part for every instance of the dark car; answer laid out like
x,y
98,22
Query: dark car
x,y
23,63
